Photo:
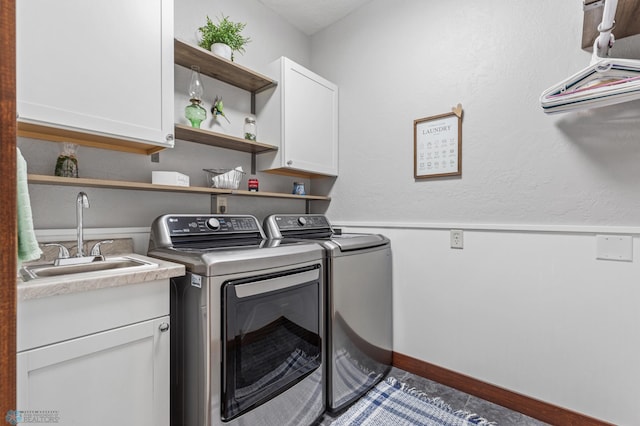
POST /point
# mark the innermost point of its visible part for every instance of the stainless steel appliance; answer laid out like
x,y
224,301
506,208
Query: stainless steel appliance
x,y
248,323
359,303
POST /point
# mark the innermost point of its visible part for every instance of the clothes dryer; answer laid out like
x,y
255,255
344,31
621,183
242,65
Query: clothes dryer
x,y
247,321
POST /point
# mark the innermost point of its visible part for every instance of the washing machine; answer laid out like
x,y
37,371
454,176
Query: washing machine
x,y
358,294
247,320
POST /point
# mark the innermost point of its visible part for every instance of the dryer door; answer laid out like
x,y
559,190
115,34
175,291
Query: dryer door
x,y
271,336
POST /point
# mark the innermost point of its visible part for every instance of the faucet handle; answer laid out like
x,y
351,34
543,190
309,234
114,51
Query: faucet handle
x,y
63,252
95,250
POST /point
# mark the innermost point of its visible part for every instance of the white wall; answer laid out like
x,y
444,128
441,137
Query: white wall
x,y
525,305
396,61
531,311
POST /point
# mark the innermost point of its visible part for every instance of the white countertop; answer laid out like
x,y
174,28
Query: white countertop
x,y
75,283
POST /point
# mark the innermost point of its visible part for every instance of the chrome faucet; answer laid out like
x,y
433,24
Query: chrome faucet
x,y
82,202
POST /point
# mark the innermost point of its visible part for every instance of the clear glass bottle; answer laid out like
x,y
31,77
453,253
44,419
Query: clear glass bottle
x,y
67,163
250,128
194,112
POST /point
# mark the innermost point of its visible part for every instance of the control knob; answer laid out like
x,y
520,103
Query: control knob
x,y
213,224
302,221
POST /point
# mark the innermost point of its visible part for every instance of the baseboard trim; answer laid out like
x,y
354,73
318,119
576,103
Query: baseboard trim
x,y
526,405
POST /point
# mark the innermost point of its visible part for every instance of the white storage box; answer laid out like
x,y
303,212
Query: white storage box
x,y
169,178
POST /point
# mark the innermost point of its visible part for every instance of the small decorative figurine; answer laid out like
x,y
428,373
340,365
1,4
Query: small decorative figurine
x,y
217,108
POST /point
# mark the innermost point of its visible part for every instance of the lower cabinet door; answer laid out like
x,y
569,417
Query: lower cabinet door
x,y
120,376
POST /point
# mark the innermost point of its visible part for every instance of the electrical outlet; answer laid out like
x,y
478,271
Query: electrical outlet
x,y
456,239
221,204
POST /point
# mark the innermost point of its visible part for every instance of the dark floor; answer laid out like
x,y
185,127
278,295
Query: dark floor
x,y
458,401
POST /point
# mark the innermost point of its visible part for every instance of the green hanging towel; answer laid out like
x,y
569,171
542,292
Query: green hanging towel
x,y
28,248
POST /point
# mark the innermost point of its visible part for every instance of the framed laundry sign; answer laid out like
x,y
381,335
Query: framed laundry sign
x,y
437,145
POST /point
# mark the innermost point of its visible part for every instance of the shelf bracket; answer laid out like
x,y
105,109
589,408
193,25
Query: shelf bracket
x,y
253,154
307,206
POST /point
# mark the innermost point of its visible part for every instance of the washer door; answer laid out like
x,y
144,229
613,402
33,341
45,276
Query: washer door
x,y
271,336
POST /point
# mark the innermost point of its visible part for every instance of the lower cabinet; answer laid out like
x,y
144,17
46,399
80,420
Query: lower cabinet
x,y
114,377
115,370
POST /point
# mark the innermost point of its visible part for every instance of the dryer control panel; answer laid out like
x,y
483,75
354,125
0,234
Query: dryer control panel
x,y
209,224
203,231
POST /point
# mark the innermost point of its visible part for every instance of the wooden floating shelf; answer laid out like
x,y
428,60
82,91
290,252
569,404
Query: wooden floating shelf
x,y
143,186
219,68
120,184
221,140
280,195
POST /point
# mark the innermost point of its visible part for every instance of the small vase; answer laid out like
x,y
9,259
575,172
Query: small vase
x,y
221,49
195,113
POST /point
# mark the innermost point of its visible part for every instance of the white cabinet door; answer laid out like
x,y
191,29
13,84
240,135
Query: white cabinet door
x,y
300,116
100,67
115,377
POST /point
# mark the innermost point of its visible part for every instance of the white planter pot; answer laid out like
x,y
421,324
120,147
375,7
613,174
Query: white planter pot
x,y
221,49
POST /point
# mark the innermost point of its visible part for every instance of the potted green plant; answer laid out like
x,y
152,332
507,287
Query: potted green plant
x,y
225,33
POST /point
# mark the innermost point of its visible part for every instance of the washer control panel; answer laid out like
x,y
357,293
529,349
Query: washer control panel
x,y
298,226
211,224
288,222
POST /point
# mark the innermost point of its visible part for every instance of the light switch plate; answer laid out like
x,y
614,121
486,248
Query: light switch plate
x,y
614,247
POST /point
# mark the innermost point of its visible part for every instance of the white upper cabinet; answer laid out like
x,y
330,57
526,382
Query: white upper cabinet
x,y
100,68
300,116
